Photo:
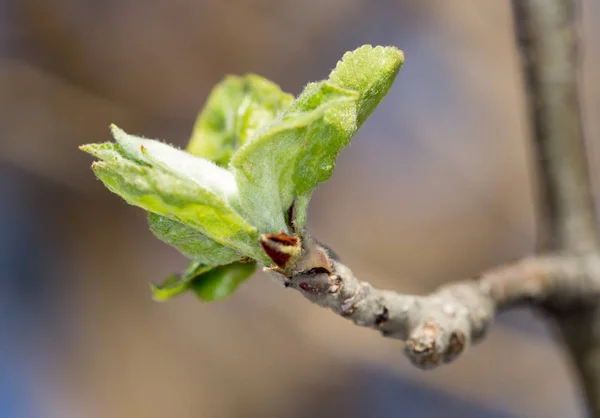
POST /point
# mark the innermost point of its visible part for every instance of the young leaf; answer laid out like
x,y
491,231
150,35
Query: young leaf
x,y
222,281
236,108
108,151
297,151
190,242
369,71
275,166
176,284
163,193
180,163
209,283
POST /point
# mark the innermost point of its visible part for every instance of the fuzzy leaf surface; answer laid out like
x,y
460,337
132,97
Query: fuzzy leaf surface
x,y
235,110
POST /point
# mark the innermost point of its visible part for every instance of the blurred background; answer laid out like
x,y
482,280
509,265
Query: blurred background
x,y
436,186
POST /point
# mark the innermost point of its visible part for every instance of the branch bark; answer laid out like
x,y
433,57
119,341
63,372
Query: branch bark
x,y
438,327
547,39
548,42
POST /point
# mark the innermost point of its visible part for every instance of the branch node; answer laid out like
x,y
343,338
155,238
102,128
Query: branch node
x,y
383,317
421,348
456,345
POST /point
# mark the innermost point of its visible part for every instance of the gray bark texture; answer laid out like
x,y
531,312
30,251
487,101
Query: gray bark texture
x,y
563,280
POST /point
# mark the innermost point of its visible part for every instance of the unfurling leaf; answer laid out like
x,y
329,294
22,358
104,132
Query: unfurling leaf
x,y
369,71
222,281
178,163
235,110
209,283
153,181
190,242
159,192
297,151
276,166
176,284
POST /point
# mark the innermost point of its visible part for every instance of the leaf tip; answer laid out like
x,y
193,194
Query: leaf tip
x,y
370,71
158,293
117,132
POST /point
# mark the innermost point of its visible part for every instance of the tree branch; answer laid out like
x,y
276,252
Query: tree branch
x,y
548,41
439,326
546,36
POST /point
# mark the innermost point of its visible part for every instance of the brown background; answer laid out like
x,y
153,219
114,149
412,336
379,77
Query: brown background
x,y
437,185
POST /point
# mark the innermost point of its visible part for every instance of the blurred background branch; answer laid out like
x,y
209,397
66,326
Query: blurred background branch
x,y
549,43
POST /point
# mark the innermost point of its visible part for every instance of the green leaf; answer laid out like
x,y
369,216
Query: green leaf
x,y
163,193
190,242
235,110
301,211
187,240
221,282
178,163
369,71
176,284
209,283
297,151
107,151
277,165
